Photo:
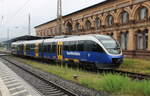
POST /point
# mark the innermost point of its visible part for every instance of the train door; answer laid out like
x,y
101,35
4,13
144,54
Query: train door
x,y
59,50
37,50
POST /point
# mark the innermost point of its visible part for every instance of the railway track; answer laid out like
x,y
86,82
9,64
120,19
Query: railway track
x,y
47,88
132,75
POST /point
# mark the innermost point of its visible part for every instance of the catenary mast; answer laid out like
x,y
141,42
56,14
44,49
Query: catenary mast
x,y
29,25
59,18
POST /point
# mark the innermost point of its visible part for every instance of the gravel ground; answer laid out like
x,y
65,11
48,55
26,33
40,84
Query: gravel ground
x,y
74,87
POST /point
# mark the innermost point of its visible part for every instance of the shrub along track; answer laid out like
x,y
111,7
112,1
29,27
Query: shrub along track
x,y
136,76
47,88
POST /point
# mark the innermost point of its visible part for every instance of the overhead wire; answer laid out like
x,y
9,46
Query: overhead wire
x,y
18,11
9,20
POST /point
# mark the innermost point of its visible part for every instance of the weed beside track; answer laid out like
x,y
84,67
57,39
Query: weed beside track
x,y
114,84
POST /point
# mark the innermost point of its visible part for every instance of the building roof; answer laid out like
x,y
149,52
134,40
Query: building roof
x,y
26,37
101,3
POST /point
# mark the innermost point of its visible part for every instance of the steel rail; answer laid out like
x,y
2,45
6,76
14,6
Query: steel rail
x,y
55,86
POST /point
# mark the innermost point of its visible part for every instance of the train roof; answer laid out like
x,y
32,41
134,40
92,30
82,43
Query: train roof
x,y
70,38
33,41
62,38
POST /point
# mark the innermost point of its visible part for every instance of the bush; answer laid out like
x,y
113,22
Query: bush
x,y
114,83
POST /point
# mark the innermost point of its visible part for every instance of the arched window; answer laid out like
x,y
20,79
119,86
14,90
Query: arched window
x,y
69,27
97,23
124,17
142,40
124,40
88,25
143,13
78,26
110,20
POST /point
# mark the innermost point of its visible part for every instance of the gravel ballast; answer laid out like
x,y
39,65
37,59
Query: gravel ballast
x,y
72,86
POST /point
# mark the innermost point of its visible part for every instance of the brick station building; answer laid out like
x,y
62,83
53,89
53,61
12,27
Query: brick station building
x,y
128,21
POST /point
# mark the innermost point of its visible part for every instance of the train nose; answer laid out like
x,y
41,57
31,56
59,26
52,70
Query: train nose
x,y
117,60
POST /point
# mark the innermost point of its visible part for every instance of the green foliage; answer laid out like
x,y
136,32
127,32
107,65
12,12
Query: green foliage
x,y
115,84
136,65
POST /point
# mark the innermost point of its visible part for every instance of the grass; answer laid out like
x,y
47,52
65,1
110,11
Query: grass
x,y
117,84
136,65
2,48
114,84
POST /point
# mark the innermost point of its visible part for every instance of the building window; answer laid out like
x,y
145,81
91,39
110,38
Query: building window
x,y
124,17
43,34
40,33
55,30
142,40
49,31
46,31
139,41
143,13
52,30
145,39
69,27
124,40
88,25
97,23
78,26
110,20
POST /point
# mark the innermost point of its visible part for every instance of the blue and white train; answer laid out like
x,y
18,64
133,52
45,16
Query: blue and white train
x,y
95,51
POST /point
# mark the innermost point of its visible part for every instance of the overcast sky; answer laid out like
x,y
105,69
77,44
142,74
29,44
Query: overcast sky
x,y
15,13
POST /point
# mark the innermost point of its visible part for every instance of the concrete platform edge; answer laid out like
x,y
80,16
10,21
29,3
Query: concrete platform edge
x,y
3,89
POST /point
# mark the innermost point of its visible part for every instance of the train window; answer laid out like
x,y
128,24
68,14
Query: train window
x,y
53,50
28,47
80,46
92,46
88,46
40,48
32,47
72,46
66,46
44,48
48,48
21,47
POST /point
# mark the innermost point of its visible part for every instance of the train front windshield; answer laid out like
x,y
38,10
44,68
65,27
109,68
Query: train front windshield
x,y
110,44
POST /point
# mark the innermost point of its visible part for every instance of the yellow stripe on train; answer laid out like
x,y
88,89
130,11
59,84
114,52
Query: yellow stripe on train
x,y
68,59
